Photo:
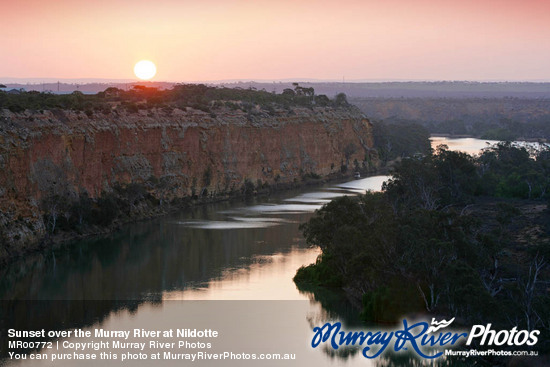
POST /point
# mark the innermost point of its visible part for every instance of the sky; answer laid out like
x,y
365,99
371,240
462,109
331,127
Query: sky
x,y
212,40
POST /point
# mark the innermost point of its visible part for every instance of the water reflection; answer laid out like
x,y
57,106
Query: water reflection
x,y
235,224
316,197
474,146
373,183
468,145
276,209
217,252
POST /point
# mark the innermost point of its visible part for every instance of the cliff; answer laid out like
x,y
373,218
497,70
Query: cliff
x,y
49,159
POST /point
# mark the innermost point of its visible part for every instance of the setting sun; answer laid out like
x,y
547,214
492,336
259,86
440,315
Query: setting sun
x,y
145,69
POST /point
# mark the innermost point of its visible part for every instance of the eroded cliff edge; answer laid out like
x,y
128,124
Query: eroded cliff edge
x,y
50,159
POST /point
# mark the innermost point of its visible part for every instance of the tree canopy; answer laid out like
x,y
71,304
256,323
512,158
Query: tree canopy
x,y
446,235
197,96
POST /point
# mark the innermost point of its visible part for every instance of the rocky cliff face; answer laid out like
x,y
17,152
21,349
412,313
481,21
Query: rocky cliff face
x,y
173,153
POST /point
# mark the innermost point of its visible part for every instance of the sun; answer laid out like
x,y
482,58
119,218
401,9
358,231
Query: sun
x,y
145,69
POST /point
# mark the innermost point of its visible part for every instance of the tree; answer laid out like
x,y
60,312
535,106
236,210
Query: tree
x,y
288,92
426,234
206,180
341,100
322,100
349,150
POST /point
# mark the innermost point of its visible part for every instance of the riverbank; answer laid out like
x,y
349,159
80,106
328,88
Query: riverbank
x,y
145,210
72,172
187,241
451,236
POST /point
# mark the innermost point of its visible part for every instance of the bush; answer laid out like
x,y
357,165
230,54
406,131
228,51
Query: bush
x,y
197,96
106,211
248,188
319,275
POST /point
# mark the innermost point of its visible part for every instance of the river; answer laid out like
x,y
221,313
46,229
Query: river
x,y
227,266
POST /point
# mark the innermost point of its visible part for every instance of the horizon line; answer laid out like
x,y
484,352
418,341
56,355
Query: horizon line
x,y
39,80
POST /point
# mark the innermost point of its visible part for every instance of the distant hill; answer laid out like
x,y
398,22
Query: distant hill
x,y
420,89
489,118
85,87
443,89
492,110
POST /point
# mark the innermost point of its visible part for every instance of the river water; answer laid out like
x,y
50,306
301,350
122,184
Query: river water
x,y
467,145
227,266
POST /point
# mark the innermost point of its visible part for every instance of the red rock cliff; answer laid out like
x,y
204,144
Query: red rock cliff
x,y
181,152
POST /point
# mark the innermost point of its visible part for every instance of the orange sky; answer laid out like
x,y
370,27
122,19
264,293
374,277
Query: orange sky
x,y
225,39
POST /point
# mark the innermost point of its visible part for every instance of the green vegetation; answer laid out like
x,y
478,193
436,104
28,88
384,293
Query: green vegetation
x,y
400,140
67,209
71,212
449,234
487,118
197,96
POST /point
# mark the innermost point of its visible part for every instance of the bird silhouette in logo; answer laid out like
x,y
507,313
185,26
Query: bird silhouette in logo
x,y
439,325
